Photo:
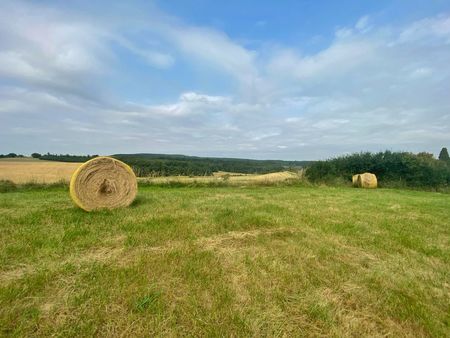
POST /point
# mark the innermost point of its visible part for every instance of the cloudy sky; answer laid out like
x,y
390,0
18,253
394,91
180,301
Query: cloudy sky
x,y
258,79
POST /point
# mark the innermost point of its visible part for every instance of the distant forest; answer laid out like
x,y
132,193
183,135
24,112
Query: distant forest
x,y
64,158
11,155
169,165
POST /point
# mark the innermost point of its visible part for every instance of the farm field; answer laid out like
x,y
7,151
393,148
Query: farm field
x,y
25,170
236,180
227,261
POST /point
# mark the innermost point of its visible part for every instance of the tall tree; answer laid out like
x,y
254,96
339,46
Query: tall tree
x,y
443,155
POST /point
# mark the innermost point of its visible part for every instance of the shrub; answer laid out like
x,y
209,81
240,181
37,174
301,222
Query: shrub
x,y
391,168
443,155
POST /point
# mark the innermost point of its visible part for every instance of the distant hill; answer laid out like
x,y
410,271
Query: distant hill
x,y
168,165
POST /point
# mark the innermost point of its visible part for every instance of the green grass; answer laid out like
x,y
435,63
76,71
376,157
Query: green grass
x,y
227,261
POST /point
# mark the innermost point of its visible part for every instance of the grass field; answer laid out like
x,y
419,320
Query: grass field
x,y
227,261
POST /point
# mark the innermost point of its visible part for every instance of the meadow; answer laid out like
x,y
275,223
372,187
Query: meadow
x,y
227,261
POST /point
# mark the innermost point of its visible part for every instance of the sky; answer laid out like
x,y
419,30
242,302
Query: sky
x,y
293,79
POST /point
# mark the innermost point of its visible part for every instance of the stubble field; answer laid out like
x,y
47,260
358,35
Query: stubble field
x,y
26,170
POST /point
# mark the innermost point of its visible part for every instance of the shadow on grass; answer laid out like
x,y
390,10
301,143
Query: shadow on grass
x,y
138,201
9,186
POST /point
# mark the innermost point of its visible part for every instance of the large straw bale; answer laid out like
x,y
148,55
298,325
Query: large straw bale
x,y
103,183
366,180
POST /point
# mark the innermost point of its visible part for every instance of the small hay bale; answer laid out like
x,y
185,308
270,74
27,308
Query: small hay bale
x,y
103,183
355,180
366,180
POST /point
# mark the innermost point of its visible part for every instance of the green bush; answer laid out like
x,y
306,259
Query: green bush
x,y
391,169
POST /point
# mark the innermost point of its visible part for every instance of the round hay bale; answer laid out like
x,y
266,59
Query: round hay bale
x,y
103,183
367,180
355,180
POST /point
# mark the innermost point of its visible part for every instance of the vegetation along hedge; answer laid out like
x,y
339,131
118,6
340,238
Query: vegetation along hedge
x,y
391,169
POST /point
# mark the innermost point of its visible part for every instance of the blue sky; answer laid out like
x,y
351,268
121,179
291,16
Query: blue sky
x,y
257,79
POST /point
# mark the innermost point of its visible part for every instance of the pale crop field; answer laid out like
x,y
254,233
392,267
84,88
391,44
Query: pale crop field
x,y
232,180
26,170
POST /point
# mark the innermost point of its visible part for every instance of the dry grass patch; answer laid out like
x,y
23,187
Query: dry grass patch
x,y
231,179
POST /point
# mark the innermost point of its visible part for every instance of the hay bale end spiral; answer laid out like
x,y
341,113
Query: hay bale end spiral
x,y
103,183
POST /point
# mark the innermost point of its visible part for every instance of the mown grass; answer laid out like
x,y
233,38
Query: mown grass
x,y
227,261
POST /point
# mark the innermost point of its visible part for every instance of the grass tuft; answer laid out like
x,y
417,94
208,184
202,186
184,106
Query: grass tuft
x,y
150,302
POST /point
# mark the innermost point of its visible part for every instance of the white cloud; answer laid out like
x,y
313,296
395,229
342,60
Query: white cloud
x,y
428,30
216,49
261,135
189,103
372,88
330,124
363,23
421,72
195,97
153,56
339,58
343,33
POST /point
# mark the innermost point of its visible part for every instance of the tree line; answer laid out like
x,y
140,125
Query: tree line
x,y
170,165
53,157
145,165
63,157
391,168
11,155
